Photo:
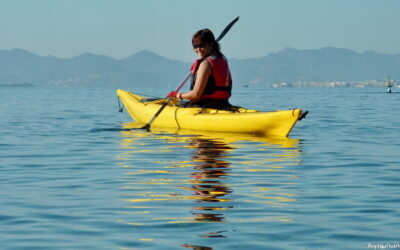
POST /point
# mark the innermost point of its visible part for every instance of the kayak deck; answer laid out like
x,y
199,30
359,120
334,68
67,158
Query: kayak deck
x,y
240,120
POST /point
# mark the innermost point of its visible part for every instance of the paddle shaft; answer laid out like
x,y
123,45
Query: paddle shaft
x,y
223,33
147,126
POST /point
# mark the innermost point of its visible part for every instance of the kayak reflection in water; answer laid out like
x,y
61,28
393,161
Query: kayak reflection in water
x,y
194,247
211,78
210,169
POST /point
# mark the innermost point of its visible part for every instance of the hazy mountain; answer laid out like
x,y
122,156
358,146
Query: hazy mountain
x,y
326,64
148,69
143,68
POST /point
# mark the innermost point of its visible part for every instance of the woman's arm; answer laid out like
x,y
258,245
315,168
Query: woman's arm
x,y
203,73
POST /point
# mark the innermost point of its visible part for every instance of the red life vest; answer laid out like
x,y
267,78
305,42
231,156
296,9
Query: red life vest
x,y
219,84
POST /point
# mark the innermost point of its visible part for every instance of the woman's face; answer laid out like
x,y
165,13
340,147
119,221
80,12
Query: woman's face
x,y
202,49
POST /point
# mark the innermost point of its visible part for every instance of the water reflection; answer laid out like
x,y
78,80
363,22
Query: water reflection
x,y
210,169
181,178
194,247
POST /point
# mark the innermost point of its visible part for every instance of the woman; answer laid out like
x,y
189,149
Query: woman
x,y
211,79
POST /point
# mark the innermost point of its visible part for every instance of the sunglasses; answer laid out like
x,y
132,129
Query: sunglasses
x,y
199,45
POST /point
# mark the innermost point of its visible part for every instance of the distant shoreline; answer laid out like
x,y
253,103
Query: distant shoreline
x,y
16,85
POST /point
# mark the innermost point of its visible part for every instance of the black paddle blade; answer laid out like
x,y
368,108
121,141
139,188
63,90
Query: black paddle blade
x,y
223,33
146,127
303,115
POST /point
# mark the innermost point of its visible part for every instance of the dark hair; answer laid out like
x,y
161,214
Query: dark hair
x,y
206,36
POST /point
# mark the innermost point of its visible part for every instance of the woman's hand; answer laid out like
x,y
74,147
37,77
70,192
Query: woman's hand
x,y
172,94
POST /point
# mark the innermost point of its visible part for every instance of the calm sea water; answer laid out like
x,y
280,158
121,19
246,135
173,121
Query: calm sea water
x,y
73,177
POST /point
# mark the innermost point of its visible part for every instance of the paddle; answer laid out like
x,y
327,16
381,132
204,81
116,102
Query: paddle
x,y
223,33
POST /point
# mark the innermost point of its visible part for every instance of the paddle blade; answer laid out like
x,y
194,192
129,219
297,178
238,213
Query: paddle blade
x,y
146,127
135,126
223,33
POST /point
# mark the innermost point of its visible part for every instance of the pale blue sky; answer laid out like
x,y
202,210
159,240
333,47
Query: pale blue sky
x,y
120,28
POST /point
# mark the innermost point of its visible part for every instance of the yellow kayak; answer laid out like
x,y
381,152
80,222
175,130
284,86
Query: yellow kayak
x,y
241,120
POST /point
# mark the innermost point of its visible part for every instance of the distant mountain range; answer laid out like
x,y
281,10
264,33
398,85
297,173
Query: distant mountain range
x,y
146,68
